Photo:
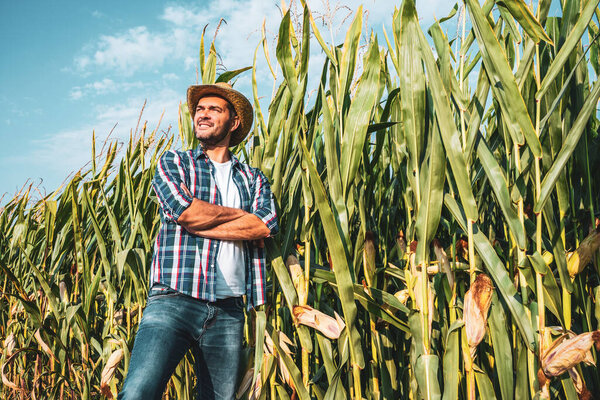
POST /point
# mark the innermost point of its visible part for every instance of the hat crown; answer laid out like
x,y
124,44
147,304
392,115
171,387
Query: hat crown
x,y
224,85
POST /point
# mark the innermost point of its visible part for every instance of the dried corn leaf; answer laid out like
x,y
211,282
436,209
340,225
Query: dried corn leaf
x,y
5,380
246,383
9,344
43,344
328,326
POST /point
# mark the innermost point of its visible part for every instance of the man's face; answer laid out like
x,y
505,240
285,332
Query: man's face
x,y
213,121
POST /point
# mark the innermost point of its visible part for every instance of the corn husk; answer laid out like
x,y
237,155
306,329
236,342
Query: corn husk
x,y
401,242
369,258
109,371
476,306
442,259
64,293
584,254
462,249
402,295
412,257
297,275
328,326
567,351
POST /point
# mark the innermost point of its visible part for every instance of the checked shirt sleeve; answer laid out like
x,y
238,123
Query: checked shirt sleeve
x,y
263,203
167,182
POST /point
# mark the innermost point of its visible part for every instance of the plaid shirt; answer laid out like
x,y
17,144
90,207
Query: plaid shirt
x,y
188,263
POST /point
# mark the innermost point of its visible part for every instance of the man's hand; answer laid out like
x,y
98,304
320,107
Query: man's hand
x,y
185,190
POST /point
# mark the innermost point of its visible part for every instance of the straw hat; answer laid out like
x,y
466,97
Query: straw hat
x,y
240,103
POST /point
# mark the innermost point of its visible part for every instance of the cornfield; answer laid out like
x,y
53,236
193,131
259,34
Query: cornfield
x,y
438,210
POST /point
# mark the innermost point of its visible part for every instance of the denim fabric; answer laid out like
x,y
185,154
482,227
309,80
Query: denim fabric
x,y
172,324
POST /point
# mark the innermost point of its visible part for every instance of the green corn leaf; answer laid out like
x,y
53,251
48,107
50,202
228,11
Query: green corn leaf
x,y
210,67
412,83
448,130
502,81
348,55
432,196
521,12
336,390
569,145
484,385
318,36
284,53
552,297
339,256
558,249
499,185
451,367
229,75
331,140
357,121
261,324
502,348
426,371
567,48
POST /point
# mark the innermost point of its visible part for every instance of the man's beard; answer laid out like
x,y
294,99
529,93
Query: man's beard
x,y
213,140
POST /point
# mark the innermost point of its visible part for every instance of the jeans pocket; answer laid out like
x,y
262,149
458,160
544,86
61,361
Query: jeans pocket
x,y
160,292
239,303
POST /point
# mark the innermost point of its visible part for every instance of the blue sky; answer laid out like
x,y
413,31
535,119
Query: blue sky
x,y
70,68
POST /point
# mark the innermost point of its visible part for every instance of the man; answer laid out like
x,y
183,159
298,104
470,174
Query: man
x,y
214,211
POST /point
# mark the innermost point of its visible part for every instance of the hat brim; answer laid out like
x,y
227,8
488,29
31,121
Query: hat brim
x,y
240,103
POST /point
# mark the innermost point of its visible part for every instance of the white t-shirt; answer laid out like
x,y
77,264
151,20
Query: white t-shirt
x,y
231,274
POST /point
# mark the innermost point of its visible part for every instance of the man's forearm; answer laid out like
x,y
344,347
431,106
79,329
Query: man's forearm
x,y
247,227
203,216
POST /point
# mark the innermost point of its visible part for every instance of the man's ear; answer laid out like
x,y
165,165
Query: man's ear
x,y
236,123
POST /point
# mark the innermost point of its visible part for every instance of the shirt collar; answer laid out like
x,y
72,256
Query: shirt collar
x,y
198,152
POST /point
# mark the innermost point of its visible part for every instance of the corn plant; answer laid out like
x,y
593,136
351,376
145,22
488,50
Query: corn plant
x,y
439,215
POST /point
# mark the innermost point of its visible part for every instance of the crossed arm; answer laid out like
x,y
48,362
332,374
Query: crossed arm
x,y
211,221
208,220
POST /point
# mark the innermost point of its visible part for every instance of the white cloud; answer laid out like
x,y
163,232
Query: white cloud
x,y
184,16
104,86
66,151
76,93
127,52
170,76
178,38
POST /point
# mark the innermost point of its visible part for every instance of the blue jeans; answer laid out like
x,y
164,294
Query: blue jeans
x,y
172,324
